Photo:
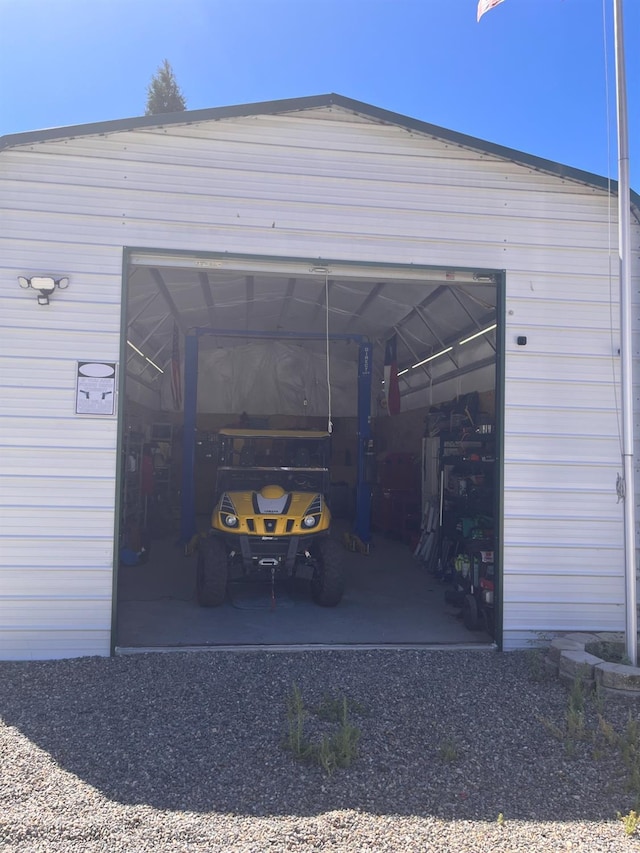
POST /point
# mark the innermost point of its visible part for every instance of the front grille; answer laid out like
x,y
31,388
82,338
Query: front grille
x,y
269,547
271,526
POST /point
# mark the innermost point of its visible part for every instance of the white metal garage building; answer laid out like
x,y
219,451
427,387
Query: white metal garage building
x,y
275,193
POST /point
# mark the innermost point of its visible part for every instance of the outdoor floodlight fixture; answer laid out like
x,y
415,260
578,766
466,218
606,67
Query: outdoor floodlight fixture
x,y
44,284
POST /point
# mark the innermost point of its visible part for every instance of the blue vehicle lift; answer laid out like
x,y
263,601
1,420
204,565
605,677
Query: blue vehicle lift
x,y
362,523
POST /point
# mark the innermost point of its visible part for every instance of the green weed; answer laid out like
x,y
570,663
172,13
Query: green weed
x,y
296,714
554,730
631,822
338,749
629,746
585,721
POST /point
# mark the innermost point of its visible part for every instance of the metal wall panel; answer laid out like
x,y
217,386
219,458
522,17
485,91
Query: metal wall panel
x,y
59,581
20,553
37,490
318,184
46,643
558,560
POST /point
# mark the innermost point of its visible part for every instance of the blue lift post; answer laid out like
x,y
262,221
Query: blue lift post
x,y
188,527
362,525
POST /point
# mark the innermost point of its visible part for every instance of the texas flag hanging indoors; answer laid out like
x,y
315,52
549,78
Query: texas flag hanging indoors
x,y
486,5
391,386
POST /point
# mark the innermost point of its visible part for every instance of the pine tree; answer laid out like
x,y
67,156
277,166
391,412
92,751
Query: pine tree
x,y
163,93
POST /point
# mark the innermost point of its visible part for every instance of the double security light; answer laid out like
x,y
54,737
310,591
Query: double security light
x,y
44,284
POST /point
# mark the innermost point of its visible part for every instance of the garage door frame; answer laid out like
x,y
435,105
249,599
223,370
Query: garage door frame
x,y
213,260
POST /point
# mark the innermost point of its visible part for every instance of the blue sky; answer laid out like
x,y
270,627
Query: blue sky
x,y
532,75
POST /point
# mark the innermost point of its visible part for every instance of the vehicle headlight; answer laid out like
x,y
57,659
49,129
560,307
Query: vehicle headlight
x,y
309,521
230,520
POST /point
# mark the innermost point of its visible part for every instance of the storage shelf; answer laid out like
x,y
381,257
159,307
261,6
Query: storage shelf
x,y
467,498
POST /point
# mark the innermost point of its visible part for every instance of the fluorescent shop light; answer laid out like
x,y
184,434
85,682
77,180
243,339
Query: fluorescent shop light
x,y
431,357
146,358
153,364
477,334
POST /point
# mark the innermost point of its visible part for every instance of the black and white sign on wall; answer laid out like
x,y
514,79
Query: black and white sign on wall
x,y
96,388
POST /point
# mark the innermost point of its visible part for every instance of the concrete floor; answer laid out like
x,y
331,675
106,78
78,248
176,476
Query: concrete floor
x,y
389,600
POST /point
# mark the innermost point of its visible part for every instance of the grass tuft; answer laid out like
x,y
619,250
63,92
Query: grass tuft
x,y
330,751
631,822
585,722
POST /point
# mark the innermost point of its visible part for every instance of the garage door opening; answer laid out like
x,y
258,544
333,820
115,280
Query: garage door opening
x,y
398,364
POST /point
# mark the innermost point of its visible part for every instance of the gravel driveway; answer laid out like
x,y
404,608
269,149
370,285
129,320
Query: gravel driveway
x,y
183,752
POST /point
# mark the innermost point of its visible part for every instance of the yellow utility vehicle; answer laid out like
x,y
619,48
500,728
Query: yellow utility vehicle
x,y
271,519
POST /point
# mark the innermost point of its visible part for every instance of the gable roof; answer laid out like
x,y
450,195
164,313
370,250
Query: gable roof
x,y
315,102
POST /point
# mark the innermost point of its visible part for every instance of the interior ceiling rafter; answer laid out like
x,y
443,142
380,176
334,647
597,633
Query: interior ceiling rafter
x,y
138,378
423,367
370,299
442,344
326,290
205,286
454,374
429,309
473,319
140,341
291,289
144,307
171,305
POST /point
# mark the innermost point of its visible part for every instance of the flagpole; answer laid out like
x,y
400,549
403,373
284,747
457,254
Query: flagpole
x,y
626,351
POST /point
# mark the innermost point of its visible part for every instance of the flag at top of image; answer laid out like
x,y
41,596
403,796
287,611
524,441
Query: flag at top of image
x,y
486,5
391,385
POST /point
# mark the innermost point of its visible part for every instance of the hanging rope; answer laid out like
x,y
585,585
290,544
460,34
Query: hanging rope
x,y
326,302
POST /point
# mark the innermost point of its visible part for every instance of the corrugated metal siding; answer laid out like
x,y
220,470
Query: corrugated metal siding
x,y
57,491
319,184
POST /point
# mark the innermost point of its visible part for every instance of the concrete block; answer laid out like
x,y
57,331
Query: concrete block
x,y
618,677
578,664
561,644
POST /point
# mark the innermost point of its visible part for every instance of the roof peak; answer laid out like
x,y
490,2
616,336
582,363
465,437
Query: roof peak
x,y
287,105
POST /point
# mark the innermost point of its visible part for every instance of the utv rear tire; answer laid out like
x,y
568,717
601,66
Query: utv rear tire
x,y
212,573
327,584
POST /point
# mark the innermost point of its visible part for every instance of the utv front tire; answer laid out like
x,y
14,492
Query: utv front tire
x,y
212,573
327,584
